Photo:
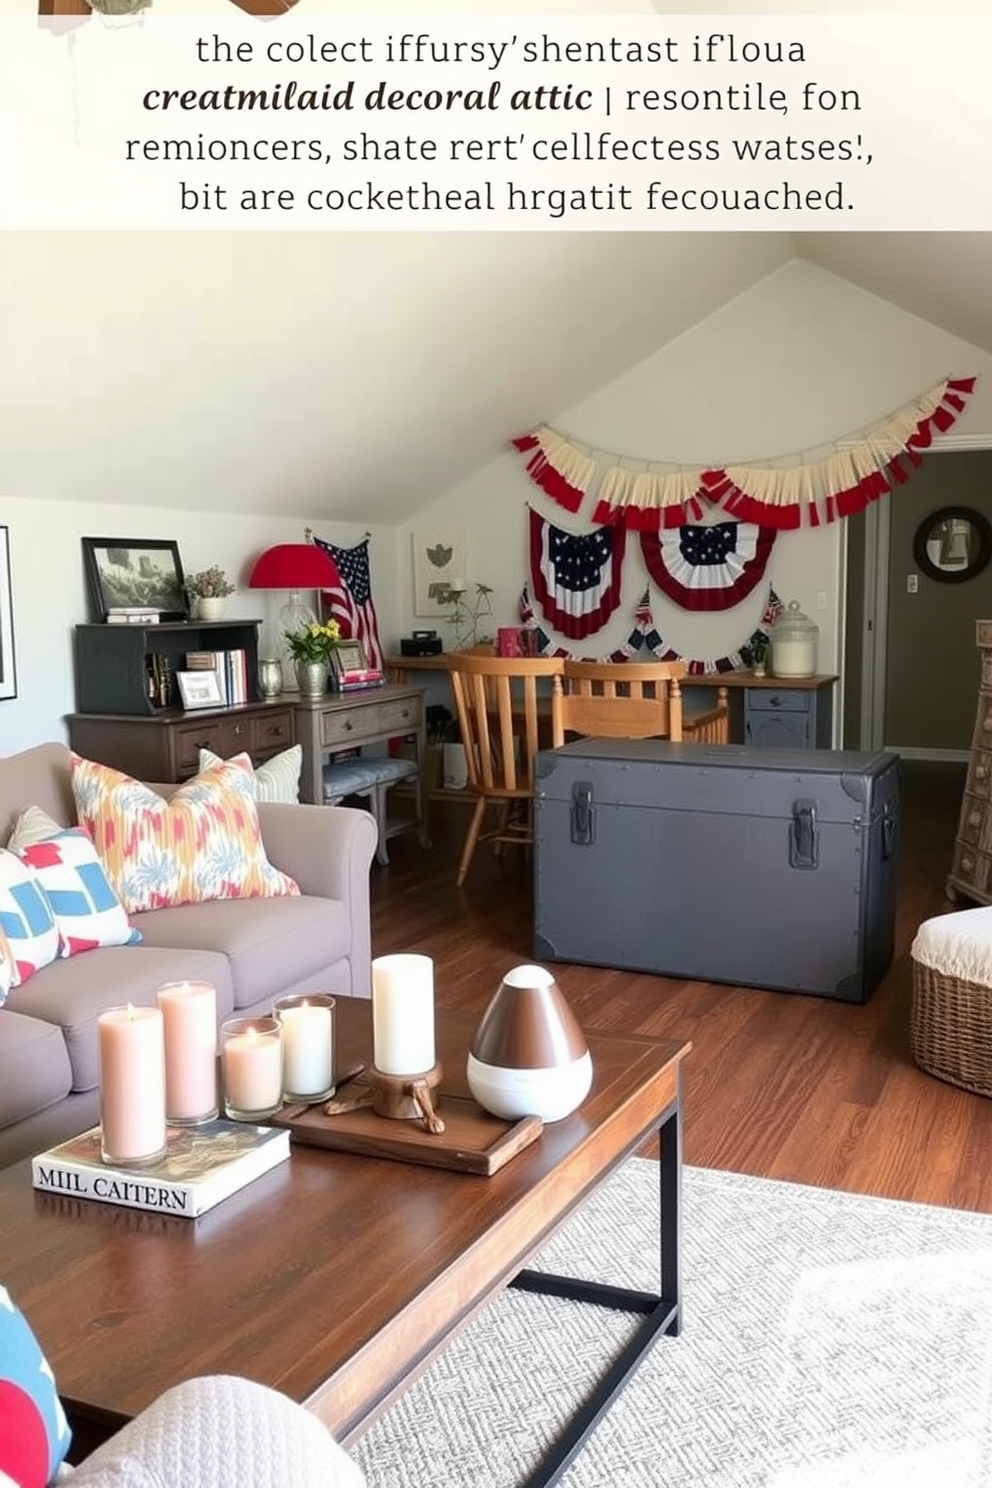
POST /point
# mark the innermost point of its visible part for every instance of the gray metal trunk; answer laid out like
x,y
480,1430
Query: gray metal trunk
x,y
761,867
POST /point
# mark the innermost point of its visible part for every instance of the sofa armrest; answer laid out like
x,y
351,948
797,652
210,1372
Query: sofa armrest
x,y
328,850
219,1429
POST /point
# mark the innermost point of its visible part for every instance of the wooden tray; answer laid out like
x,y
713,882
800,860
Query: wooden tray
x,y
472,1141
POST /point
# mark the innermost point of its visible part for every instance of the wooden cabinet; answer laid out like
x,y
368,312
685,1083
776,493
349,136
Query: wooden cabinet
x,y
794,717
167,747
131,668
126,717
971,865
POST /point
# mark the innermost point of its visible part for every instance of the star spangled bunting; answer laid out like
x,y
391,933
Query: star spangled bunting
x,y
576,576
350,602
708,568
645,636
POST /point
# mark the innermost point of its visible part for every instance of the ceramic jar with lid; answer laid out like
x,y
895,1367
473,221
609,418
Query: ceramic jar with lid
x,y
793,644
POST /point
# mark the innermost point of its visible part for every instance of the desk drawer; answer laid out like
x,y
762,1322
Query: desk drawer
x,y
209,734
272,732
767,700
370,721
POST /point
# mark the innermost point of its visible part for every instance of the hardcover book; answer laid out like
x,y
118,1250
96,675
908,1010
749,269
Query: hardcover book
x,y
202,1165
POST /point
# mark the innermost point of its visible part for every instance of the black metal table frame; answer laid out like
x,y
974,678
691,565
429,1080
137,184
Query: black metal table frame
x,y
661,1312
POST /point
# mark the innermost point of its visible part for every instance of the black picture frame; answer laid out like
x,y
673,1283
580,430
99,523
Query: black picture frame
x,y
957,527
135,571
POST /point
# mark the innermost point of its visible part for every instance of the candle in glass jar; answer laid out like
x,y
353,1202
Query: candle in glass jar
x,y
307,1024
403,1014
131,1055
251,1060
189,1010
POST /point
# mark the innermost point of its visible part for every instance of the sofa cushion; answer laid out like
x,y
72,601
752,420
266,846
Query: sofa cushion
x,y
86,909
34,1432
70,994
293,939
276,779
35,1071
202,844
26,918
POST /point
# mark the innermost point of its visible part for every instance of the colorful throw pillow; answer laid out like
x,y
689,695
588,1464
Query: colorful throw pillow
x,y
278,779
86,909
34,1433
26,918
203,843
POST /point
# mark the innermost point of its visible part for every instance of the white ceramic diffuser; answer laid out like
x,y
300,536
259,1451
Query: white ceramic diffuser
x,y
529,1056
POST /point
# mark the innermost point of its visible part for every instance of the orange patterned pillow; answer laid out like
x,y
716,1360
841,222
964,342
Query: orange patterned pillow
x,y
203,843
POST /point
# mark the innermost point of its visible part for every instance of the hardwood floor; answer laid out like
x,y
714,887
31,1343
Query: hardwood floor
x,y
778,1085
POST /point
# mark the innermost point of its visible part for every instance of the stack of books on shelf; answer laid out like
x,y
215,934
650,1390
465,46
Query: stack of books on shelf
x,y
132,615
230,669
356,677
202,1165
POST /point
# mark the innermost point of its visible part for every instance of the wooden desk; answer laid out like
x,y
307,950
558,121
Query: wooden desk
x,y
372,715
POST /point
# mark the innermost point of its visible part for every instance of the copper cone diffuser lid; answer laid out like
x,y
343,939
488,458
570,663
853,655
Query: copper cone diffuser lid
x,y
528,1024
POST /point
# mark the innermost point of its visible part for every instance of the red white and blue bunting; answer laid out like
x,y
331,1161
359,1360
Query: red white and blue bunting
x,y
708,568
576,576
648,496
645,636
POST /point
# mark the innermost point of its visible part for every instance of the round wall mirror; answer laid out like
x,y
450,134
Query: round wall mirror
x,y
953,544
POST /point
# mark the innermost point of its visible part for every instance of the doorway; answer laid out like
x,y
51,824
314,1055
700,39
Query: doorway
x,y
911,667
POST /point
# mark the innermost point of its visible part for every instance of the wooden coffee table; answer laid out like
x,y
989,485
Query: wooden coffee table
x,y
336,1278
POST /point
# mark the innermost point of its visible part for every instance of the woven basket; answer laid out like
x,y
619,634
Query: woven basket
x,y
951,1029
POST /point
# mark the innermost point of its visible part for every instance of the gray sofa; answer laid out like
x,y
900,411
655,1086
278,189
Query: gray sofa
x,y
251,949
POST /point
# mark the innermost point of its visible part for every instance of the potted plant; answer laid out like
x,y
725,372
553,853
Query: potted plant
x,y
311,648
207,591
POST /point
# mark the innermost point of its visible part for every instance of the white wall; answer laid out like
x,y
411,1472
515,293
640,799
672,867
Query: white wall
x,y
49,593
800,360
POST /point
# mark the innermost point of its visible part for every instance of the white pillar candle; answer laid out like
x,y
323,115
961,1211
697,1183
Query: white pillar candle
x,y
131,1054
307,1045
251,1059
189,1010
403,1014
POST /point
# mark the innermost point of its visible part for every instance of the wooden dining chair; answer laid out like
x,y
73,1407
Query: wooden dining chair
x,y
637,700
500,712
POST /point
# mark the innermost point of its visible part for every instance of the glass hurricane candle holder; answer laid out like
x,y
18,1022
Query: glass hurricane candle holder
x,y
251,1067
307,1024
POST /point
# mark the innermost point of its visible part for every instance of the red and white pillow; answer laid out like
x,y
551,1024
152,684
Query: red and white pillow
x,y
26,918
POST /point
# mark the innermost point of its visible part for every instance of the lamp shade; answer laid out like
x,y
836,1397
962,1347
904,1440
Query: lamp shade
x,y
294,566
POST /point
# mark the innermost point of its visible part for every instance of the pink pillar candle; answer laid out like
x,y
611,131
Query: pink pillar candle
x,y
131,1052
403,1014
189,1010
251,1059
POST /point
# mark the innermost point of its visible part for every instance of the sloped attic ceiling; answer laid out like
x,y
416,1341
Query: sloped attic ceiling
x,y
359,377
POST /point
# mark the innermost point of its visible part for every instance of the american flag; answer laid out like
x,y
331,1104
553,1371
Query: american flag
x,y
350,602
576,576
773,610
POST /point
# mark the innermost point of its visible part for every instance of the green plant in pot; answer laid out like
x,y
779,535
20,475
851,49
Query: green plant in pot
x,y
311,648
207,591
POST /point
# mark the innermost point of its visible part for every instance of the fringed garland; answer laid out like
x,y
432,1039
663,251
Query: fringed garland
x,y
645,636
708,568
781,496
576,576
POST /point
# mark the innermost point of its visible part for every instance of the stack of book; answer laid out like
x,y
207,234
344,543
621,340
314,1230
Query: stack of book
x,y
132,615
355,677
202,1165
230,669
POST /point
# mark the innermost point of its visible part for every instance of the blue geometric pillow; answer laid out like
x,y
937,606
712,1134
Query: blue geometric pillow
x,y
34,1433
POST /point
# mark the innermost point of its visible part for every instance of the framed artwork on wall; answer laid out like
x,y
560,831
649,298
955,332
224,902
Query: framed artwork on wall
x,y
135,571
8,672
439,564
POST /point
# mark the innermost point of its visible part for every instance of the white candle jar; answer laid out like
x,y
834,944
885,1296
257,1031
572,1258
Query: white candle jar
x,y
793,644
251,1067
307,1024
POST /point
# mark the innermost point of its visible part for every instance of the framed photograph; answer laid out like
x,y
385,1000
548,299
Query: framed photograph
x,y
125,571
8,674
439,564
200,689
349,657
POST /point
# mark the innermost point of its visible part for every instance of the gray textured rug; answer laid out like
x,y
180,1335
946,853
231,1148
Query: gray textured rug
x,y
829,1341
